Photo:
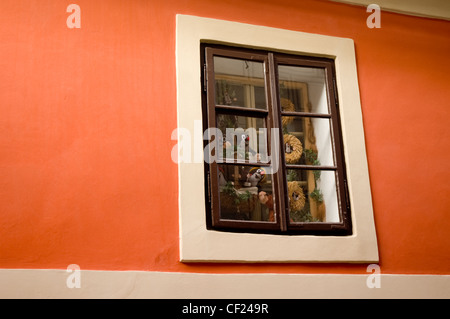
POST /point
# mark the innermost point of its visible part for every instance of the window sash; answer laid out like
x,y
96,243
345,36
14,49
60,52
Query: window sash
x,y
272,116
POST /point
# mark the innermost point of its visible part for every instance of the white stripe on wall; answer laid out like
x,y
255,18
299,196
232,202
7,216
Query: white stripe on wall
x,y
43,284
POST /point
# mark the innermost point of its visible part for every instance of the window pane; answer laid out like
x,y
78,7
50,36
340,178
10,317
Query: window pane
x,y
307,141
244,137
302,89
312,196
239,83
245,193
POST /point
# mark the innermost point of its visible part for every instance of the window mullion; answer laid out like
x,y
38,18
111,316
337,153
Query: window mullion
x,y
280,202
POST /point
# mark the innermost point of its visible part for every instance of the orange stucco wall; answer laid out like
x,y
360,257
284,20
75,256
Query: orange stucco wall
x,y
86,117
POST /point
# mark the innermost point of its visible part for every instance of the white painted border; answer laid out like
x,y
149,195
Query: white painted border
x,y
51,284
437,9
197,244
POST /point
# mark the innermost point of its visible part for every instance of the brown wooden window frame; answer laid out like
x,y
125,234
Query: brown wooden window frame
x,y
272,117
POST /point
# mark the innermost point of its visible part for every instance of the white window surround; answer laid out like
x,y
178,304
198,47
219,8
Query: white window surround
x,y
197,244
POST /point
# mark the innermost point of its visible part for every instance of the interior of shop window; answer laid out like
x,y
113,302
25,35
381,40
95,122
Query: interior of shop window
x,y
247,92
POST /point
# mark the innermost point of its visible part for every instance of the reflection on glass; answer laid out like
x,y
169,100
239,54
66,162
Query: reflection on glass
x,y
312,196
239,83
307,141
246,193
244,137
302,89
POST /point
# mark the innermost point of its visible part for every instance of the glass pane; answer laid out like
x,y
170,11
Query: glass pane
x,y
245,193
312,196
307,141
244,138
239,83
303,89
